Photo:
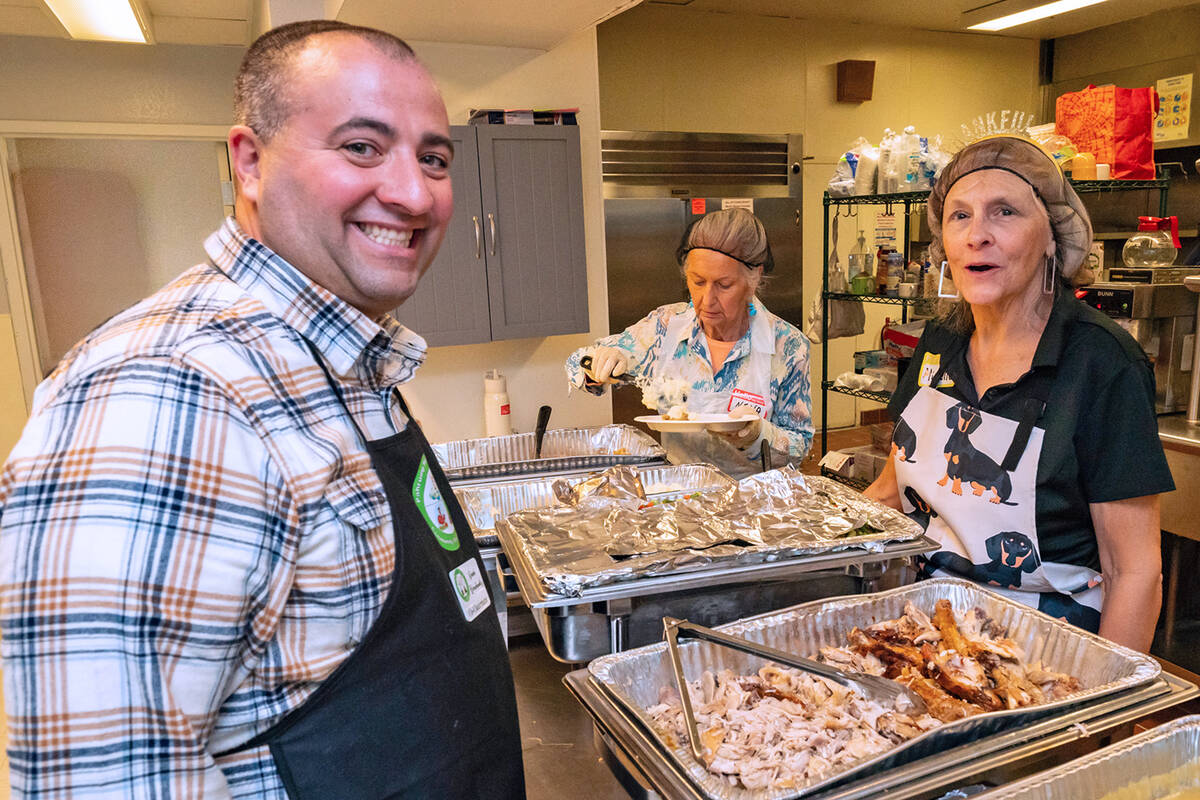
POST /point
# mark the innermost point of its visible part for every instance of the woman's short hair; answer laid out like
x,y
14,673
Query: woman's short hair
x,y
260,95
734,232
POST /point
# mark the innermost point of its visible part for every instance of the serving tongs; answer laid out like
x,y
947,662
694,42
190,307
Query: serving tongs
x,y
884,691
624,379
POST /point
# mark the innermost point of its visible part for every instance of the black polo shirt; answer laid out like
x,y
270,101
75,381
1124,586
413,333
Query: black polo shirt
x,y
1101,434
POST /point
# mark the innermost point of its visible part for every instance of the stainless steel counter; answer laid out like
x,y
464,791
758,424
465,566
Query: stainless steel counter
x,y
1181,443
1176,432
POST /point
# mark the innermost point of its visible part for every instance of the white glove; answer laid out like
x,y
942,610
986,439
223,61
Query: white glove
x,y
607,364
746,435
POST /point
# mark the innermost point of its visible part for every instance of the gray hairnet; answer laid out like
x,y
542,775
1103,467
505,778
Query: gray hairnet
x,y
1069,219
734,232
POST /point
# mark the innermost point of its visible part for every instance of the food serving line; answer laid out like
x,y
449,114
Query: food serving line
x,y
585,545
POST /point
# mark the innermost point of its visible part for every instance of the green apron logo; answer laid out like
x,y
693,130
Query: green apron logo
x,y
461,585
433,507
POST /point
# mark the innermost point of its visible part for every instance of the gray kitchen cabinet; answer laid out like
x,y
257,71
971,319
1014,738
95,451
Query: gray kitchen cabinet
x,y
513,263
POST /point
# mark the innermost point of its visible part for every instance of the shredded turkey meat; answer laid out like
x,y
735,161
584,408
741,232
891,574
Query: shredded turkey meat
x,y
782,728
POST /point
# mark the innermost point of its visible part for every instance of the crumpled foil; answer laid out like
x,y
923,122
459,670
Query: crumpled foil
x,y
618,482
771,516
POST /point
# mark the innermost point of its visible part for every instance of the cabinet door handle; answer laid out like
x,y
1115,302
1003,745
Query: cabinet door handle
x,y
492,225
478,237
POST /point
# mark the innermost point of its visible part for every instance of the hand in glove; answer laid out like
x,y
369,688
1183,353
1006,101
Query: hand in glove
x,y
607,364
746,435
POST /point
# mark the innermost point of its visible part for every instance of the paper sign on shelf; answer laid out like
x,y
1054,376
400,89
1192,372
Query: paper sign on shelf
x,y
885,230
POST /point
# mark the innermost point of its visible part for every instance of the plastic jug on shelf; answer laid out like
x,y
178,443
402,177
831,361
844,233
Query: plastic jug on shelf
x,y
862,281
1155,244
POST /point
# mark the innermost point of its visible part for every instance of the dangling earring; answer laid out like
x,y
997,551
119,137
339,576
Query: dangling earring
x,y
1048,276
941,280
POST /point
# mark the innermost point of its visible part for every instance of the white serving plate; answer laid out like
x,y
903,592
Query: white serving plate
x,y
694,422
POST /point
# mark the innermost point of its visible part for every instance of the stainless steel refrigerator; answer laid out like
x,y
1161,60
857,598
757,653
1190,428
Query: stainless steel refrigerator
x,y
656,183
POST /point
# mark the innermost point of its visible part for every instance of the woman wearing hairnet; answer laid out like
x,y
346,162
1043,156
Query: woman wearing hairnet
x,y
731,353
1025,434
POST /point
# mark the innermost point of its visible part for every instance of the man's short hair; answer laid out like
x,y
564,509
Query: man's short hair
x,y
261,99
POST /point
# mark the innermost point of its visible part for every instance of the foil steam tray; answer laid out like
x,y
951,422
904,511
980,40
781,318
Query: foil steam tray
x,y
486,504
633,678
563,450
1157,763
773,516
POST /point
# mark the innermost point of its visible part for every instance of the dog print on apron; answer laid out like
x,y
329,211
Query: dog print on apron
x,y
753,390
964,475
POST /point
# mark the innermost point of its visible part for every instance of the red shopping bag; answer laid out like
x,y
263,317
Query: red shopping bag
x,y
1114,124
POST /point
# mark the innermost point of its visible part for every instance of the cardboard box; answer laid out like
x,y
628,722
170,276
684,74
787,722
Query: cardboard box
x,y
522,116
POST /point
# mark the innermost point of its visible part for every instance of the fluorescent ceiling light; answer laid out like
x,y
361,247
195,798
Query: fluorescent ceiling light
x,y
101,20
1031,14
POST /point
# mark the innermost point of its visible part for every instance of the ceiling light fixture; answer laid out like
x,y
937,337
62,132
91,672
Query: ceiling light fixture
x,y
1028,15
103,20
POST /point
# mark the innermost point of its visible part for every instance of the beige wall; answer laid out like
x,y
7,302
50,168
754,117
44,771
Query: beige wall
x,y
12,401
52,79
670,68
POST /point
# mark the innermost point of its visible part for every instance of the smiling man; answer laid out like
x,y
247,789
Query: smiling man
x,y
226,563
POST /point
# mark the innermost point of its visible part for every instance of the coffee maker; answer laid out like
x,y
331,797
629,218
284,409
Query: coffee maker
x,y
1162,318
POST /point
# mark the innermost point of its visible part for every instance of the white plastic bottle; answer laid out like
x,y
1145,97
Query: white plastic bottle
x,y
497,413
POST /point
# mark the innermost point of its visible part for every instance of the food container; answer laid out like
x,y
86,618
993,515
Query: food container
x,y
621,603
770,517
1155,764
485,504
563,450
633,678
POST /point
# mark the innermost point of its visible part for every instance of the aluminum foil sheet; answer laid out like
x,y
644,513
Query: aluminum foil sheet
x,y
771,516
1157,763
563,450
484,505
633,678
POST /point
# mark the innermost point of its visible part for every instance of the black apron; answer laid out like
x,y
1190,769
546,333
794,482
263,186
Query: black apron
x,y
424,707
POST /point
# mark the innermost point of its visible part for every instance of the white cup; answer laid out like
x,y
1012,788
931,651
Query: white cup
x,y
1103,172
908,290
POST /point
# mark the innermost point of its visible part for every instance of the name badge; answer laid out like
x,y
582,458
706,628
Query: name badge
x,y
740,397
470,589
929,369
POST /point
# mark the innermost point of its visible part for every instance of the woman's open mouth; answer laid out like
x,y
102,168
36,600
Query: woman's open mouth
x,y
980,268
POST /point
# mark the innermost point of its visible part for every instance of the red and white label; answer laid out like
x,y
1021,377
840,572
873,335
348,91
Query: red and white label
x,y
740,397
504,409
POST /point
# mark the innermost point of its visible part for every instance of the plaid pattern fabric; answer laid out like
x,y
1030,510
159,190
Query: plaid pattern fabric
x,y
191,534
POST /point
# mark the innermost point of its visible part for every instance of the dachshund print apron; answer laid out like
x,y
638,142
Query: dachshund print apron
x,y
753,390
970,478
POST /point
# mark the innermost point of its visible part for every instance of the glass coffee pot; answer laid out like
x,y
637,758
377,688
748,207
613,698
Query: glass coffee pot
x,y
1155,244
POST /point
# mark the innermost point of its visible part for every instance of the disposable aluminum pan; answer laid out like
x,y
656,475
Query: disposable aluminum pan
x,y
773,516
1158,763
563,450
633,678
485,504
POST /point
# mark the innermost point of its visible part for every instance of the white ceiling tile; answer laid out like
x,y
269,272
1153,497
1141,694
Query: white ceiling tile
x,y
30,21
191,30
206,9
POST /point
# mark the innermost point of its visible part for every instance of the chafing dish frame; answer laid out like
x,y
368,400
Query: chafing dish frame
x,y
564,622
627,747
